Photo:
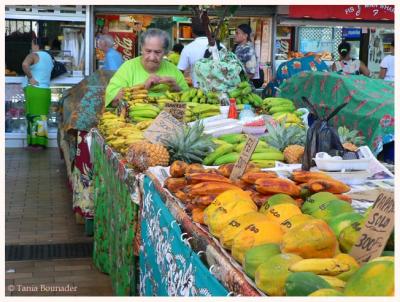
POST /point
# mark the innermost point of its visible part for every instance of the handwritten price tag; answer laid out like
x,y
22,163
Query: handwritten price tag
x,y
177,110
244,158
377,229
162,127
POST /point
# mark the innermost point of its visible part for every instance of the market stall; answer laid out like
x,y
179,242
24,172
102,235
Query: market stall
x,y
82,106
370,107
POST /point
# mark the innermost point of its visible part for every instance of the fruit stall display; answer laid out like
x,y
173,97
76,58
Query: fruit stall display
x,y
291,234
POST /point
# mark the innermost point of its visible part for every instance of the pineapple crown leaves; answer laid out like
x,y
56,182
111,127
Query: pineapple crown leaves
x,y
347,136
280,136
189,144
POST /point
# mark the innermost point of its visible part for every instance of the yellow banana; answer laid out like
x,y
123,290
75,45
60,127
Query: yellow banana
x,y
139,96
322,266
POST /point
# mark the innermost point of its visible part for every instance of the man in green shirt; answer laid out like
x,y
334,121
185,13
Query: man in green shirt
x,y
149,68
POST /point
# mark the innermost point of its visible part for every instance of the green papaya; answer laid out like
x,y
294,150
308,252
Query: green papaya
x,y
304,283
257,255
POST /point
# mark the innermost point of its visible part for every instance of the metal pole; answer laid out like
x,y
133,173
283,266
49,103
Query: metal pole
x,y
273,45
89,40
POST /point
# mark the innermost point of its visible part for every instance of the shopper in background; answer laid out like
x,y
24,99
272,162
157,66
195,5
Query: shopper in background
x,y
37,67
346,64
244,50
113,59
175,53
194,51
387,66
149,69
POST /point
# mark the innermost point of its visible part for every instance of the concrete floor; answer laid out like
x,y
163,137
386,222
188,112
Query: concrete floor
x,y
38,210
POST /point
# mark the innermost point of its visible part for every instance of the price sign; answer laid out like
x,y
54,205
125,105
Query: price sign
x,y
377,229
177,110
245,155
162,127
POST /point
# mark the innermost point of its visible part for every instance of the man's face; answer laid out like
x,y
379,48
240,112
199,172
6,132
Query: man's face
x,y
152,53
240,36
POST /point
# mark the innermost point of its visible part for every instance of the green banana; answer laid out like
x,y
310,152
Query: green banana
x,y
235,93
266,163
193,92
246,91
144,107
143,113
218,152
200,93
275,101
244,84
141,119
256,99
205,108
233,138
160,87
212,95
269,155
208,114
227,159
219,141
287,108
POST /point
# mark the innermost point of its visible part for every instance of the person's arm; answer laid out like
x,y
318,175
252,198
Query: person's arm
x,y
382,73
114,90
26,67
183,63
364,69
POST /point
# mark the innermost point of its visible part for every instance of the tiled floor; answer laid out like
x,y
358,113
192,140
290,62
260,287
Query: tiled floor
x,y
38,211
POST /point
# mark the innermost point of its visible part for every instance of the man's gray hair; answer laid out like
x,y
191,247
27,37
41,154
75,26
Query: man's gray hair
x,y
158,33
108,39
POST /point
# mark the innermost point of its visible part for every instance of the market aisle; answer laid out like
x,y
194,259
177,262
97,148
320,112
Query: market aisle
x,y
38,212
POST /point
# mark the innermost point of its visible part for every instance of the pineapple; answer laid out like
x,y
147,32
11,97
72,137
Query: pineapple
x,y
143,155
189,144
289,140
350,139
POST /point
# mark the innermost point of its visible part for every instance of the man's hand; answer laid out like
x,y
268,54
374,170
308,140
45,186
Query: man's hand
x,y
152,80
33,82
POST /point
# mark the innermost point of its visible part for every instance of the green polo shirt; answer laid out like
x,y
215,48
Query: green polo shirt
x,y
132,73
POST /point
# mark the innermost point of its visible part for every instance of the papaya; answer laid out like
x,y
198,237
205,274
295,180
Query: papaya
x,y
348,236
311,239
256,255
237,224
339,222
372,279
315,200
280,212
325,292
354,266
276,199
271,275
257,233
225,198
331,209
294,221
222,215
304,283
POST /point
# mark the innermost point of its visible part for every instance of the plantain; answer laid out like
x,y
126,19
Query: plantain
x,y
306,176
233,138
227,158
251,177
195,178
277,185
328,185
210,188
218,152
265,163
175,184
320,266
267,156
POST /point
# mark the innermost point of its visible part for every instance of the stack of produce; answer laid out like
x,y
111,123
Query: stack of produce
x,y
197,95
230,146
244,95
289,140
119,134
282,109
140,112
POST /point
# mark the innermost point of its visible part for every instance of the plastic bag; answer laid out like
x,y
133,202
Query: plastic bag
x,y
321,137
221,75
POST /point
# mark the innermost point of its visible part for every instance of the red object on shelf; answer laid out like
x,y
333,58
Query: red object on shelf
x,y
232,113
343,12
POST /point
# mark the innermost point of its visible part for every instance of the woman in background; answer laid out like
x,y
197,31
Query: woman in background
x,y
346,64
37,67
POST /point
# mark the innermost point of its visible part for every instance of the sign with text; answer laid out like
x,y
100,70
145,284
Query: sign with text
x,y
377,229
245,155
162,127
177,110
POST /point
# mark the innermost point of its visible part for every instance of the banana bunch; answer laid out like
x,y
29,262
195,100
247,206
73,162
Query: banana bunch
x,y
136,94
123,137
109,122
140,112
244,95
229,147
197,95
201,111
282,109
